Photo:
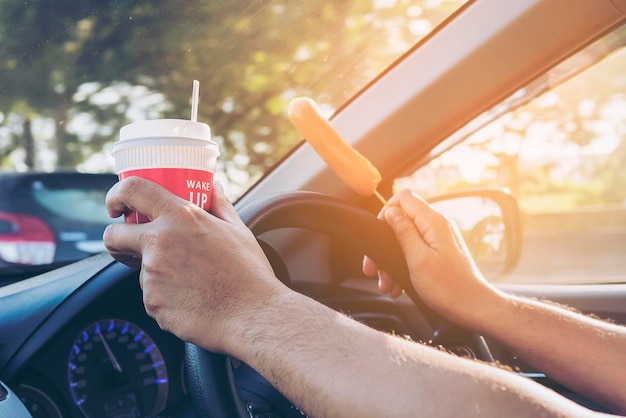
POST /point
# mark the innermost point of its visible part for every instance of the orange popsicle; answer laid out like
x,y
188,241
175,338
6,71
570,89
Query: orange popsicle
x,y
352,167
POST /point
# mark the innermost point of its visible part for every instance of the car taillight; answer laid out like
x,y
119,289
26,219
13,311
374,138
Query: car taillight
x,y
25,239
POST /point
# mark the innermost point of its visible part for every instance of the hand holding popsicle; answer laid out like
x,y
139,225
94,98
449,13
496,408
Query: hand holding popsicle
x,y
352,167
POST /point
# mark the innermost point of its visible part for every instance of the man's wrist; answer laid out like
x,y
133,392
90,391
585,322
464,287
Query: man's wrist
x,y
479,308
247,331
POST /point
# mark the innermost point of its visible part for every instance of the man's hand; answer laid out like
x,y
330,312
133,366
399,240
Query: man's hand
x,y
201,273
441,267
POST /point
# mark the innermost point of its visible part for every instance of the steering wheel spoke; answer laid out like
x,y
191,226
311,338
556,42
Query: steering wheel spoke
x,y
211,380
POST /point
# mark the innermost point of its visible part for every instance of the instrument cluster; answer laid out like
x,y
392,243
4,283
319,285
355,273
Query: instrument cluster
x,y
110,361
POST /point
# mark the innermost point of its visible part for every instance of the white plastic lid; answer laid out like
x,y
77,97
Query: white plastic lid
x,y
166,128
165,143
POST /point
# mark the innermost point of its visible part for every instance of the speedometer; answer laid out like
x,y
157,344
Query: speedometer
x,y
116,370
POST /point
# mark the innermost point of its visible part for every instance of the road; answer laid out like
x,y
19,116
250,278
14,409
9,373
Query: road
x,y
573,258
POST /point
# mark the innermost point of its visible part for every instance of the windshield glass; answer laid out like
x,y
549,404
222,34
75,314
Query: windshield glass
x,y
75,72
559,146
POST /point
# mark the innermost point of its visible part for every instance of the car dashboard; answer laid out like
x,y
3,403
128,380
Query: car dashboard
x,y
108,359
82,344
90,350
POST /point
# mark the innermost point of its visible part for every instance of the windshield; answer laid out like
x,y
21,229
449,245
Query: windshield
x,y
75,72
559,145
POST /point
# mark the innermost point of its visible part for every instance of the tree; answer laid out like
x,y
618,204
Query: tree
x,y
87,65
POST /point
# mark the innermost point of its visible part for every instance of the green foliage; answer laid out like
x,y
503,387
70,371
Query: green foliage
x,y
562,151
79,63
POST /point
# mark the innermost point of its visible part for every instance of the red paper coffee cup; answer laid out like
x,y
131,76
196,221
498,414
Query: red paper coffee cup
x,y
177,154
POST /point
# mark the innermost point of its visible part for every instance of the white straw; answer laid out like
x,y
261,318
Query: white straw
x,y
194,100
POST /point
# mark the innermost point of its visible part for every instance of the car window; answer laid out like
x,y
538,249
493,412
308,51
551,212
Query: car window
x,y
73,75
563,155
50,218
81,205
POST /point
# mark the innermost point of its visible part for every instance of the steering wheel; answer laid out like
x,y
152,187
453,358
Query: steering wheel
x,y
211,383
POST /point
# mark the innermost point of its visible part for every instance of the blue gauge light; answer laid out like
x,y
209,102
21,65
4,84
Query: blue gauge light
x,y
115,369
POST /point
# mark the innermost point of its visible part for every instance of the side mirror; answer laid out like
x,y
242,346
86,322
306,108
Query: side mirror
x,y
490,223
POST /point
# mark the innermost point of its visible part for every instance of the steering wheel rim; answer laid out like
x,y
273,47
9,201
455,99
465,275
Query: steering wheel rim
x,y
211,384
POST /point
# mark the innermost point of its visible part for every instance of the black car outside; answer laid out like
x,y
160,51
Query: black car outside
x,y
47,219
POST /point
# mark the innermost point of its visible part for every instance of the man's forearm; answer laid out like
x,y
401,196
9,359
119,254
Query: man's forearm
x,y
580,352
330,365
